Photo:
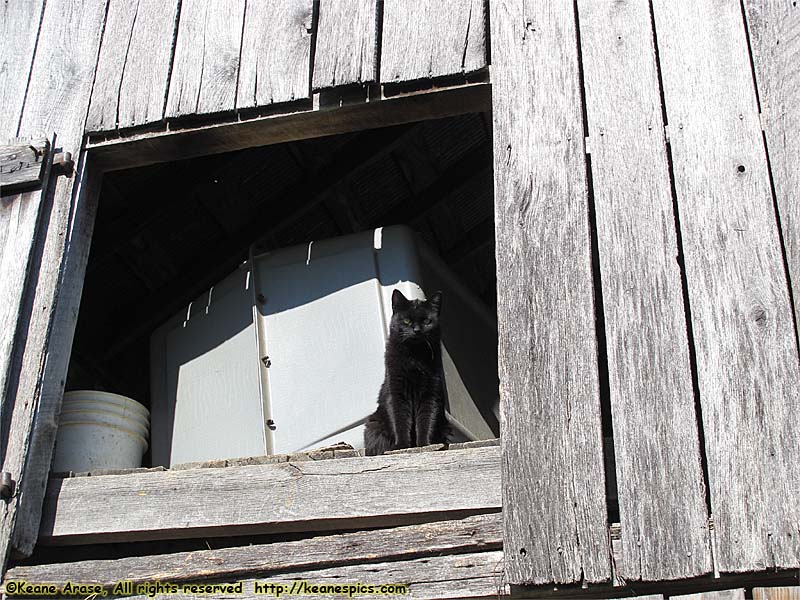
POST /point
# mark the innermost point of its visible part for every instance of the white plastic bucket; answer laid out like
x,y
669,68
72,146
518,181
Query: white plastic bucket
x,y
100,430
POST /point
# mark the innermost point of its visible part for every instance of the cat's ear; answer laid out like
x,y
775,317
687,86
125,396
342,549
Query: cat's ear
x,y
399,301
436,301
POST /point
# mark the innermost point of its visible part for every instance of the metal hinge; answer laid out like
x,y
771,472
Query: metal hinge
x,y
63,164
6,485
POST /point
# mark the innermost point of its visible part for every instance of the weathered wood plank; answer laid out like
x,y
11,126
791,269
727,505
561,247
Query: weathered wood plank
x,y
276,53
277,497
22,164
459,576
774,27
473,534
206,64
58,99
347,43
19,29
748,372
133,68
429,38
776,593
659,477
553,492
737,594
148,148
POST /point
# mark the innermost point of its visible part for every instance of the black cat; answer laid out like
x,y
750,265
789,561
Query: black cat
x,y
412,398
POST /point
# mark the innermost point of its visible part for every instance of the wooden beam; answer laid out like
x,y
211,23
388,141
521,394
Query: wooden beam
x,y
554,504
430,38
656,442
478,533
742,323
776,593
297,122
363,492
22,165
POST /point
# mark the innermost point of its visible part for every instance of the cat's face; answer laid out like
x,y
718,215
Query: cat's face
x,y
415,319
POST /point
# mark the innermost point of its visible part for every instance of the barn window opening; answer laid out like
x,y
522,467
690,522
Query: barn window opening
x,y
243,298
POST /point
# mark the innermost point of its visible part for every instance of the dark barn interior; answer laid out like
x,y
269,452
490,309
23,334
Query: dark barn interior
x,y
167,232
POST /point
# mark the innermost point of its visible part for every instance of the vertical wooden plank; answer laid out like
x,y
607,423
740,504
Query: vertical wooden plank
x,y
744,338
58,100
776,593
429,38
554,509
276,53
347,43
133,67
19,28
774,27
206,64
659,475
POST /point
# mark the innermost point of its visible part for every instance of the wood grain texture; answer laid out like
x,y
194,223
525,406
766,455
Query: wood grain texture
x,y
58,99
22,164
67,273
133,67
776,593
737,594
473,534
275,497
429,38
148,148
276,53
347,43
553,491
476,575
19,28
659,475
749,379
774,27
206,64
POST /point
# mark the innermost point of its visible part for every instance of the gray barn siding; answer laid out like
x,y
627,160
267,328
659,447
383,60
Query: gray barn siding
x,y
774,27
659,476
347,43
747,362
133,67
430,38
60,84
554,505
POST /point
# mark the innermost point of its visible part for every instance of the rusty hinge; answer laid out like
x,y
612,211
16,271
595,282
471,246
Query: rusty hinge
x,y
6,485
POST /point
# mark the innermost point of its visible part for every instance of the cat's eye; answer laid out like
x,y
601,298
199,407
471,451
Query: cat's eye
x,y
407,321
427,321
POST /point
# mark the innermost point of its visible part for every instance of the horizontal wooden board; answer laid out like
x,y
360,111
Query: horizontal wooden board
x,y
134,63
473,534
305,122
431,38
276,53
346,47
659,477
22,164
383,490
776,593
